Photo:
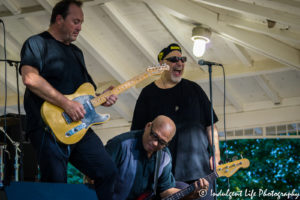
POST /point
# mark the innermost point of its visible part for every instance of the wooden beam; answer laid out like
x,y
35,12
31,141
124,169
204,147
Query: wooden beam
x,y
261,118
292,7
25,12
256,11
263,45
259,43
238,71
130,31
12,6
276,32
272,94
46,4
231,95
240,52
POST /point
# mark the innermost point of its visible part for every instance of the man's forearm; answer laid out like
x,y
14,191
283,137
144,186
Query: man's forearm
x,y
216,141
41,87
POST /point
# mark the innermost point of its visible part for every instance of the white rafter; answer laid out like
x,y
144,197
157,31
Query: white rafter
x,y
236,71
255,10
272,94
259,43
260,28
143,45
12,6
263,117
231,95
26,12
282,5
47,5
240,52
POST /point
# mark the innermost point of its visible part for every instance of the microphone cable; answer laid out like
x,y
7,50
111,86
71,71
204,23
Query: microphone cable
x,y
224,121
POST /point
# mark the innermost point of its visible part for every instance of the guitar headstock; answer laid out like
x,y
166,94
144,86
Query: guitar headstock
x,y
230,168
158,69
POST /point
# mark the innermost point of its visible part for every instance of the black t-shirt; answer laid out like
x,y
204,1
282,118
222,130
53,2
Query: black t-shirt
x,y
188,106
61,65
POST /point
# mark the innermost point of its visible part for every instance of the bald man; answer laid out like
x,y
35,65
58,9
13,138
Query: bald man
x,y
134,154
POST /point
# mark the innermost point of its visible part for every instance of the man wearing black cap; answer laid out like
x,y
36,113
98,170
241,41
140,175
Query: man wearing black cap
x,y
187,105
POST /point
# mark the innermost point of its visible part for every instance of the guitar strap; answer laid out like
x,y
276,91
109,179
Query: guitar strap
x,y
156,172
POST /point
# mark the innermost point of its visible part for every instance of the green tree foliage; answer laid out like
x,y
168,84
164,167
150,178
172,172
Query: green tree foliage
x,y
274,165
74,175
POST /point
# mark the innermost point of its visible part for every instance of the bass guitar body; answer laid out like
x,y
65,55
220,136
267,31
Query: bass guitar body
x,y
148,196
66,130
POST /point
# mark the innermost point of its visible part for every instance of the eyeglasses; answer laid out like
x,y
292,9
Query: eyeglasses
x,y
175,59
156,138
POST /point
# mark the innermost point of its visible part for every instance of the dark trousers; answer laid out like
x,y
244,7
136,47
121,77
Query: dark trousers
x,y
88,155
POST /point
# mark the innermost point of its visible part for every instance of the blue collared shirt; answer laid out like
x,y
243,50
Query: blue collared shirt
x,y
136,170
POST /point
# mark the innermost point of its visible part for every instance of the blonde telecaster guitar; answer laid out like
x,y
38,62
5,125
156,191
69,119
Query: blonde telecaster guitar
x,y
70,132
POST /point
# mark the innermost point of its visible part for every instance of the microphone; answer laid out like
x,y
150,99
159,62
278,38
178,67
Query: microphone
x,y
204,62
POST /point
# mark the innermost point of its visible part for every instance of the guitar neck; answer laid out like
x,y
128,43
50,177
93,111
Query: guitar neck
x,y
119,89
186,191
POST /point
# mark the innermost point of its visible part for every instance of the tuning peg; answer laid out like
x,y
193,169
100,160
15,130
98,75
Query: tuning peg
x,y
242,156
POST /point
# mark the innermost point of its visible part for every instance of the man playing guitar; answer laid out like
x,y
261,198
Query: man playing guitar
x,y
135,155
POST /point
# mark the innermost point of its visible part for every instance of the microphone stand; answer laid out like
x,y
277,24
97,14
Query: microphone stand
x,y
212,124
2,150
14,143
17,149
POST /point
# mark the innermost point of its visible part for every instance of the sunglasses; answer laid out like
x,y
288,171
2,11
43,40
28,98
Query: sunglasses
x,y
156,138
175,59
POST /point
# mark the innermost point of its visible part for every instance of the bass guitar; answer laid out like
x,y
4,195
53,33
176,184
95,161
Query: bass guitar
x,y
71,132
226,170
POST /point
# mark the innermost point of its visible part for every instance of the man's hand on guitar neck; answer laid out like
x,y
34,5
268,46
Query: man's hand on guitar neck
x,y
111,100
201,184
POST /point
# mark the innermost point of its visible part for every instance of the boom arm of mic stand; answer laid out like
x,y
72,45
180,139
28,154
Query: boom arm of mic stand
x,y
10,62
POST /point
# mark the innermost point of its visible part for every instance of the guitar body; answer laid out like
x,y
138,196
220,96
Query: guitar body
x,y
69,132
65,130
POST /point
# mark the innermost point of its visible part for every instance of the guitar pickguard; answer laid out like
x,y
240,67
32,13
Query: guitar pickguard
x,y
91,117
